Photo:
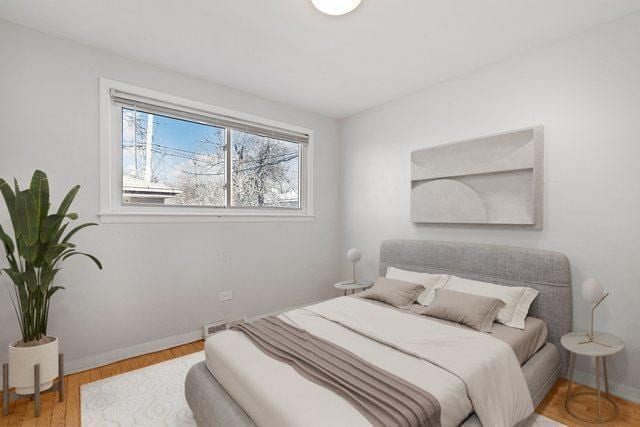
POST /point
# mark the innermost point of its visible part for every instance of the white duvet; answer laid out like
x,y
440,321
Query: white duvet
x,y
465,370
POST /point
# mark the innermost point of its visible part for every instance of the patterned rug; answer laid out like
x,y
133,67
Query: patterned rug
x,y
154,396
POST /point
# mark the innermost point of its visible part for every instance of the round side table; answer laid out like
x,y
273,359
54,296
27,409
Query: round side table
x,y
349,286
601,346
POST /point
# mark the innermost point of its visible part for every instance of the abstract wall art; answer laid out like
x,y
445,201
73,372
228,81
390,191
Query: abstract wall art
x,y
493,179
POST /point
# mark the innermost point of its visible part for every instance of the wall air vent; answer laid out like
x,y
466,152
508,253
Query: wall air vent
x,y
211,328
222,325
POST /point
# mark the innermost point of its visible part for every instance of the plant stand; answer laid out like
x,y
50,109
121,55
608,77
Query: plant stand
x,y
9,396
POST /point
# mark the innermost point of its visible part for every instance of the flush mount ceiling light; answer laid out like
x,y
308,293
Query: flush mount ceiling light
x,y
336,7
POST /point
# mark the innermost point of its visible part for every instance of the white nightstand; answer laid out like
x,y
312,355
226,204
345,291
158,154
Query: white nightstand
x,y
577,343
349,286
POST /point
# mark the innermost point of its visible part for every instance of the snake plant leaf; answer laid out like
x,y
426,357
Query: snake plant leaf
x,y
68,199
9,247
76,229
53,290
10,200
40,189
94,259
72,216
28,218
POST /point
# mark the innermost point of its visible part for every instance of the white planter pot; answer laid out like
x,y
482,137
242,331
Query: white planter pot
x,y
22,361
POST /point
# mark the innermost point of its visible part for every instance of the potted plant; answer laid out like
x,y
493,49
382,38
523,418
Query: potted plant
x,y
40,243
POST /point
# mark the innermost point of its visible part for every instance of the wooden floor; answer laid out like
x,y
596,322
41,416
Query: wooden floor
x,y
67,413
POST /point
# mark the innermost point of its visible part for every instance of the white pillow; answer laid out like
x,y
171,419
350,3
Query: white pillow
x,y
429,281
517,299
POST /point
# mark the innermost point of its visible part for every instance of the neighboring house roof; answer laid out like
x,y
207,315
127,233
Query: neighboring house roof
x,y
140,187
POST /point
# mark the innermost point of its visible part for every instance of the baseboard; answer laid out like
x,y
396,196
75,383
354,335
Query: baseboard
x,y
133,351
617,389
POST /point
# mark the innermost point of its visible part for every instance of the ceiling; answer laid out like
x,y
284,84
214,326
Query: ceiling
x,y
287,51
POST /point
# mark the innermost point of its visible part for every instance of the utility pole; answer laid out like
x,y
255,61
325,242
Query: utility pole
x,y
149,140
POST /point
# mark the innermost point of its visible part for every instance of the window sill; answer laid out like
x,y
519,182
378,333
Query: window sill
x,y
152,217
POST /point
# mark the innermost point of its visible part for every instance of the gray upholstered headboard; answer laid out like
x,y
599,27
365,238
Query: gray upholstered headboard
x,y
547,272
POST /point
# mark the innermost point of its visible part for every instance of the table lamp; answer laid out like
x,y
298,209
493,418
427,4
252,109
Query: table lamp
x,y
593,292
354,256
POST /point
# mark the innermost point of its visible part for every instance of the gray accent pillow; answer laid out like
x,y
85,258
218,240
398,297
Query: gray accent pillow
x,y
476,311
394,292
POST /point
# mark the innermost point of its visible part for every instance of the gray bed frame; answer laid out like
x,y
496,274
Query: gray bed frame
x,y
548,272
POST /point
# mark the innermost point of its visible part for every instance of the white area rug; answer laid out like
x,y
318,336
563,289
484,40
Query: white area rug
x,y
150,396
154,396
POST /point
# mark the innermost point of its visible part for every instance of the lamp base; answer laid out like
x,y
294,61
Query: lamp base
x,y
591,340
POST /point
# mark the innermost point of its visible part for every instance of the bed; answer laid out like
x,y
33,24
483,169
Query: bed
x,y
547,272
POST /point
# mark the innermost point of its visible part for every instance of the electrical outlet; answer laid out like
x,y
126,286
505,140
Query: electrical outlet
x,y
226,295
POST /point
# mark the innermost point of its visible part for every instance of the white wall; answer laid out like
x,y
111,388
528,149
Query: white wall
x,y
160,281
586,92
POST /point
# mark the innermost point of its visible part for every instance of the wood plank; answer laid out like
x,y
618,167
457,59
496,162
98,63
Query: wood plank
x,y
110,370
18,410
95,374
164,355
48,400
124,366
59,413
72,418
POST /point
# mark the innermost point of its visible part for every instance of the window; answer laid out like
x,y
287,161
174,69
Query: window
x,y
176,159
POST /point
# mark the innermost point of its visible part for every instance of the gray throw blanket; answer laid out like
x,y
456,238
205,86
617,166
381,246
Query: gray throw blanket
x,y
383,398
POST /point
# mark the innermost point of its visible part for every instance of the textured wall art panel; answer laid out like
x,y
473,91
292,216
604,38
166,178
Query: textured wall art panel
x,y
489,180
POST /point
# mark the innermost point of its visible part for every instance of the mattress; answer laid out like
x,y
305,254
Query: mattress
x,y
524,342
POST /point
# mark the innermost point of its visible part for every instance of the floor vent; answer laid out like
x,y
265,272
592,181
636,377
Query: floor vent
x,y
212,328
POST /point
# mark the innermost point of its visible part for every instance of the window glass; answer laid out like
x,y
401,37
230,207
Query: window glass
x,y
170,161
265,172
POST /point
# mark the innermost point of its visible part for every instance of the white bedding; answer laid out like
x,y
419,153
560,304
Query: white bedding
x,y
465,370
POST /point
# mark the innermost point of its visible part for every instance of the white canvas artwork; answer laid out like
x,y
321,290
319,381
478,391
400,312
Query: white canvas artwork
x,y
494,179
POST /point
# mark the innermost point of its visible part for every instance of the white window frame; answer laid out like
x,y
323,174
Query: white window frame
x,y
113,210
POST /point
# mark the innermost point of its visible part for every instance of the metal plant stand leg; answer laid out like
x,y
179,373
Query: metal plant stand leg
x,y
5,389
36,389
61,377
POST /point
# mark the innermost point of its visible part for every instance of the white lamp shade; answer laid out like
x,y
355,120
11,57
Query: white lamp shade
x,y
592,291
335,7
354,255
